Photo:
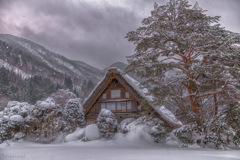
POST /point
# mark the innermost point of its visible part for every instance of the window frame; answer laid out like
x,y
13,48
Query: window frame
x,y
113,93
104,96
127,95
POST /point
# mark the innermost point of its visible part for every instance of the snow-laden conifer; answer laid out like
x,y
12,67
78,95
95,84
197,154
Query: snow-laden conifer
x,y
73,115
191,62
106,123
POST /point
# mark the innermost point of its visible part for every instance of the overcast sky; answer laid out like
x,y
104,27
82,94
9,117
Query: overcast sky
x,y
93,31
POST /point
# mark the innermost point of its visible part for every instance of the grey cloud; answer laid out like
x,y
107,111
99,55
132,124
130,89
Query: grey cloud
x,y
89,32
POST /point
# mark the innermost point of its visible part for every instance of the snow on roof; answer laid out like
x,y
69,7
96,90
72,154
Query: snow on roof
x,y
90,94
143,92
162,111
168,115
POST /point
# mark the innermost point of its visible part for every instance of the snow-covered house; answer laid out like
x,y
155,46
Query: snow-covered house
x,y
122,95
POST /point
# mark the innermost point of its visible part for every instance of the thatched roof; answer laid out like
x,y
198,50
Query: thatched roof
x,y
135,89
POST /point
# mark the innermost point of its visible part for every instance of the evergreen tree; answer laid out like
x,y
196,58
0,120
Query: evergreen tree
x,y
73,115
106,123
68,83
191,62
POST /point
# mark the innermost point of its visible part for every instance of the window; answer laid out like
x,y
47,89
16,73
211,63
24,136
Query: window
x,y
129,105
115,93
126,94
111,106
104,96
121,106
102,105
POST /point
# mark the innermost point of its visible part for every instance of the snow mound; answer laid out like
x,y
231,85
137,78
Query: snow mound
x,y
137,87
138,132
92,132
123,125
75,136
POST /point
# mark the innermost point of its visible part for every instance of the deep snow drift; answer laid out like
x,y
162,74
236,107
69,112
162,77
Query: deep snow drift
x,y
115,149
135,143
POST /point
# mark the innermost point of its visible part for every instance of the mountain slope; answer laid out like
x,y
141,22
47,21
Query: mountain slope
x,y
29,59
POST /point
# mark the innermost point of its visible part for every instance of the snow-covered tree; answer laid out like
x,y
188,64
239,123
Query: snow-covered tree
x,y
14,119
62,96
73,115
220,134
46,118
106,123
191,62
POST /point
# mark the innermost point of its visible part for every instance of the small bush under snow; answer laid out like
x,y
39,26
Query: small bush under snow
x,y
106,123
78,134
73,115
18,136
123,125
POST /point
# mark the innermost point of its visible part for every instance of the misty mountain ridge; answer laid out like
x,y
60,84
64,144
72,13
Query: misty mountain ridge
x,y
29,59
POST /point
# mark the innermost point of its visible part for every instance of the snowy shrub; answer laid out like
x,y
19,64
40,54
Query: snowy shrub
x,y
187,134
106,123
91,133
18,108
46,118
220,134
5,132
14,119
78,134
148,127
158,133
18,136
62,96
156,129
44,109
231,115
73,115
123,125
236,139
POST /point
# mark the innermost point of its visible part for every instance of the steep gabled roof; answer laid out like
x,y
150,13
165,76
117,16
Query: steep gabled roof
x,y
136,90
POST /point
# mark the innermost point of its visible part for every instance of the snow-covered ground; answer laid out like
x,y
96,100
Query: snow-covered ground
x,y
116,149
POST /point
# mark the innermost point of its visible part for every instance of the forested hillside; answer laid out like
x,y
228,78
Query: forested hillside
x,y
14,87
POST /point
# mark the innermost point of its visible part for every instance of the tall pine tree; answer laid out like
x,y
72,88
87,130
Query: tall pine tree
x,y
191,62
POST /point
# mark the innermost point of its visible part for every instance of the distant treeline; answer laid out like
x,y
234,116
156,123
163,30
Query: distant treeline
x,y
15,88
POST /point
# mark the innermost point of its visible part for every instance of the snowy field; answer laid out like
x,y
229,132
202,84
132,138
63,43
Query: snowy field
x,y
116,149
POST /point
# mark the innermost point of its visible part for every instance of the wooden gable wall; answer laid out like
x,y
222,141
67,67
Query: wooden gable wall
x,y
92,115
115,86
